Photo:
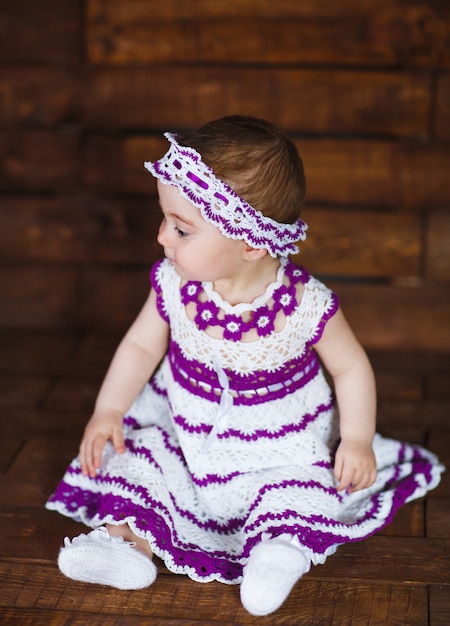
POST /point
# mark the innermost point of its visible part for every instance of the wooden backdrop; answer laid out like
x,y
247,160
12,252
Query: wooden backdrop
x,y
87,88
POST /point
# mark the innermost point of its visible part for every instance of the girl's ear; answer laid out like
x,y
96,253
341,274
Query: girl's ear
x,y
253,254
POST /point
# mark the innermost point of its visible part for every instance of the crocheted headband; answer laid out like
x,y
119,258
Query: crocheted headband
x,y
220,205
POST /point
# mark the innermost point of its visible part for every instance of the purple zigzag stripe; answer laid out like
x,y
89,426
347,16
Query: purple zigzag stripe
x,y
147,454
214,479
264,433
160,391
210,524
324,464
308,484
200,482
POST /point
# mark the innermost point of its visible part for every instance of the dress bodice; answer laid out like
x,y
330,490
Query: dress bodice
x,y
304,317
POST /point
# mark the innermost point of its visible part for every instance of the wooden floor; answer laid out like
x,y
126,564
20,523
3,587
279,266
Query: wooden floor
x,y
48,385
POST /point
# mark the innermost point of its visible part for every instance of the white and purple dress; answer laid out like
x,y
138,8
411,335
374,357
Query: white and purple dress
x,y
233,438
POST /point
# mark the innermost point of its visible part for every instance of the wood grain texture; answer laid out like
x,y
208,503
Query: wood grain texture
x,y
38,161
47,31
438,248
442,116
257,32
39,96
178,599
300,100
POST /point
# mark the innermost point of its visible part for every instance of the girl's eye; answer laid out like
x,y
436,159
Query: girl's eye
x,y
181,233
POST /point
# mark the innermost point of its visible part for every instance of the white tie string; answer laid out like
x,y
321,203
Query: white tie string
x,y
225,405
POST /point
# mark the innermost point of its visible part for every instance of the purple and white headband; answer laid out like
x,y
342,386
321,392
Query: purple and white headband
x,y
220,205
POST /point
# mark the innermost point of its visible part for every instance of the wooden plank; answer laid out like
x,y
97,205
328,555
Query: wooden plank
x,y
95,353
26,489
28,423
38,160
130,289
408,521
312,602
399,385
412,375
35,471
382,173
438,516
424,362
39,96
10,446
439,605
439,443
381,558
398,317
247,8
47,32
345,605
442,118
39,297
438,387
80,228
117,164
339,172
367,606
22,391
38,617
34,534
312,101
256,32
419,416
72,394
438,246
361,243
31,352
38,446
43,464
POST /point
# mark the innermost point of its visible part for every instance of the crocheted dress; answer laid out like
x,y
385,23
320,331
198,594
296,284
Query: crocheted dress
x,y
232,440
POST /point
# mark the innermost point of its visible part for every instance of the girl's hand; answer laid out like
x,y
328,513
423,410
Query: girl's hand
x,y
102,427
355,466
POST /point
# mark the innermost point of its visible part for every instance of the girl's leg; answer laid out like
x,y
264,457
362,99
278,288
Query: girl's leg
x,y
117,559
127,534
271,572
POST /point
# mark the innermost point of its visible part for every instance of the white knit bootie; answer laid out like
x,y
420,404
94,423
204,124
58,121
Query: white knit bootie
x,y
101,558
271,572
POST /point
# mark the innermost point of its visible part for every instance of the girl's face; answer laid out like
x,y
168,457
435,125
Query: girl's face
x,y
197,249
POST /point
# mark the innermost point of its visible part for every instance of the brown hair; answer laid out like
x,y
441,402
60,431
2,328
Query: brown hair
x,y
256,160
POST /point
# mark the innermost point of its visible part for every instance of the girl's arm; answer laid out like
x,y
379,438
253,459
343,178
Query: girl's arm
x,y
354,384
134,362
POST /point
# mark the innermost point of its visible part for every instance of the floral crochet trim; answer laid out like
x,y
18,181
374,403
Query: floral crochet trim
x,y
262,319
220,205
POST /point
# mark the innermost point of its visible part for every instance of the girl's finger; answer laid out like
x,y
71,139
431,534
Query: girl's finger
x,y
118,441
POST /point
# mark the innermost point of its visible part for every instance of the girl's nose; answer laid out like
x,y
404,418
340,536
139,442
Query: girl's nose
x,y
163,238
